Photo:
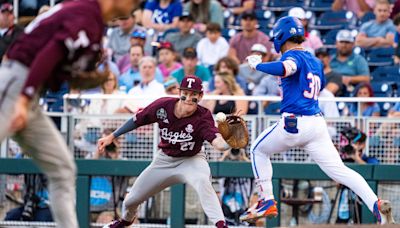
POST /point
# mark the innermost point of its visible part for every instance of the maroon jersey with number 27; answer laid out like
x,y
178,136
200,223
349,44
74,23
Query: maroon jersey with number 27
x,y
179,137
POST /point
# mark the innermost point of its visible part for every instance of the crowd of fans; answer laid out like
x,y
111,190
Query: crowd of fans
x,y
167,39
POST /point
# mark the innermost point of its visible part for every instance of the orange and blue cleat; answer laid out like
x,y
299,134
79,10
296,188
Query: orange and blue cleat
x,y
263,208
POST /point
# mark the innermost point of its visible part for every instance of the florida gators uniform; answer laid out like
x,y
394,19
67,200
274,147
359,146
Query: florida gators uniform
x,y
301,124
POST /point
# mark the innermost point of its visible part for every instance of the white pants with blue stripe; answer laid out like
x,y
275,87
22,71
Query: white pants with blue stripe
x,y
314,138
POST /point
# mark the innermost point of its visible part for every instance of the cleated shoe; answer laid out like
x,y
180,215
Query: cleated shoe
x,y
383,212
264,208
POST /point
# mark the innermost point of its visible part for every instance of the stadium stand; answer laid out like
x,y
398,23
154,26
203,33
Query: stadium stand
x,y
380,56
318,5
335,20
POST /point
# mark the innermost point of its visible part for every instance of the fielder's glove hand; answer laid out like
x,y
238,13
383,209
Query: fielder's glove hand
x,y
254,60
234,130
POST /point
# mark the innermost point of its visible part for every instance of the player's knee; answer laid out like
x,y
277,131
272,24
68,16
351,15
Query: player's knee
x,y
201,181
131,204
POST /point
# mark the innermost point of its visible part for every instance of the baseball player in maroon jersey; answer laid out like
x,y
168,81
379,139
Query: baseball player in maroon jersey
x,y
66,37
184,126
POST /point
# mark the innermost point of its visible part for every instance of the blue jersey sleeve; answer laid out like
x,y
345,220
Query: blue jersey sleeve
x,y
151,5
278,68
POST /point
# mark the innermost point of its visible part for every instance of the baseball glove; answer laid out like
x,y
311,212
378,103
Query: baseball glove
x,y
83,80
234,130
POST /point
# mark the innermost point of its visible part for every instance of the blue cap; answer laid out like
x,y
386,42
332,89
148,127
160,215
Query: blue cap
x,y
138,33
285,28
170,81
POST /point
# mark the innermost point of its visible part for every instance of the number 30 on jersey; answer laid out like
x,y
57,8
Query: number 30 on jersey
x,y
314,85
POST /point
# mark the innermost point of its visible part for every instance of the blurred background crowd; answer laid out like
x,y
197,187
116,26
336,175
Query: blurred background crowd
x,y
151,50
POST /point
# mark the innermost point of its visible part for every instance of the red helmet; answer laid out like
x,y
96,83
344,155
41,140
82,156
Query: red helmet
x,y
192,83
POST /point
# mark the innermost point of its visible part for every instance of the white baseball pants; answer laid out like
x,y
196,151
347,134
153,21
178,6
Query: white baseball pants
x,y
314,138
165,171
43,142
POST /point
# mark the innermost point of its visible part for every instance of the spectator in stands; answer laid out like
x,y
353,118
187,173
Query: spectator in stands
x,y
8,30
162,15
353,67
352,145
253,77
204,12
359,7
138,37
104,190
241,43
333,79
328,108
228,65
226,85
148,86
396,22
268,86
237,7
171,86
395,110
367,108
132,76
106,106
119,38
190,67
185,37
166,59
312,42
379,32
356,146
212,47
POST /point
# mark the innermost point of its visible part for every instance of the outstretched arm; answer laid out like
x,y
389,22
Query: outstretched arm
x,y
278,68
128,126
220,144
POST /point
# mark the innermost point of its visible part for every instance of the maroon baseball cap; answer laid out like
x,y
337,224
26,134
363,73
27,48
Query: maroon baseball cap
x,y
192,83
166,45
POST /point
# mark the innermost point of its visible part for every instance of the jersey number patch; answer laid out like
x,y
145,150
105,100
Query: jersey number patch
x,y
187,146
315,86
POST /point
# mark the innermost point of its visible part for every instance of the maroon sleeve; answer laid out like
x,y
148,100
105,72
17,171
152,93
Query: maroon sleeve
x,y
209,130
42,67
147,115
62,47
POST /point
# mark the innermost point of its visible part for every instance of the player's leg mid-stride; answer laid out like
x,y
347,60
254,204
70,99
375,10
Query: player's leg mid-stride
x,y
301,124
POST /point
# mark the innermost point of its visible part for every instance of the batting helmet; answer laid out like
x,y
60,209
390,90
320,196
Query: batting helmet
x,y
285,28
192,83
